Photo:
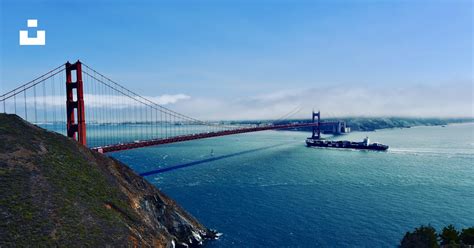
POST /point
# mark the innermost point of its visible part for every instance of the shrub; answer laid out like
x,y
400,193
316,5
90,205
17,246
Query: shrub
x,y
422,237
467,236
449,236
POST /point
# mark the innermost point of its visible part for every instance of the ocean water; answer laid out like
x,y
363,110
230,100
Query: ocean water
x,y
267,189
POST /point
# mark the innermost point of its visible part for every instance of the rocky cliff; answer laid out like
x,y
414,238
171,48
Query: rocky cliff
x,y
54,191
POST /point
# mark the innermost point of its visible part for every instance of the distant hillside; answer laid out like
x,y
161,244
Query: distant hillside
x,y
370,124
55,192
374,123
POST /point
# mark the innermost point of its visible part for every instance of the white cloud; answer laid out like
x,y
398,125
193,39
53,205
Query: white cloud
x,y
169,99
453,100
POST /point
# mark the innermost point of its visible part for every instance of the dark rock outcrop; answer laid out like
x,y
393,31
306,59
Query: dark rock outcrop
x,y
54,191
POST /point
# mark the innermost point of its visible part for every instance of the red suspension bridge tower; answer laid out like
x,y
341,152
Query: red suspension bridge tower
x,y
76,121
317,129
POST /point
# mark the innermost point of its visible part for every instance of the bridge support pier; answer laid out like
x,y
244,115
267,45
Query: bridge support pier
x,y
75,108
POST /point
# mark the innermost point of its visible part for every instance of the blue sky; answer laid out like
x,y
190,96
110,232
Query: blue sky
x,y
259,58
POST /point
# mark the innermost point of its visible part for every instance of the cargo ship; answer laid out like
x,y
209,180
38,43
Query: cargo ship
x,y
364,145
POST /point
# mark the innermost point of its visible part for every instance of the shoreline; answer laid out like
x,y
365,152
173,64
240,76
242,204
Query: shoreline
x,y
372,125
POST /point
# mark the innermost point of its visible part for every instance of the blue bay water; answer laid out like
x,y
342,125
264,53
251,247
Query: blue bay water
x,y
267,189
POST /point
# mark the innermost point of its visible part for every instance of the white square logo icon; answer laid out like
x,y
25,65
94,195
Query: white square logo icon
x,y
39,40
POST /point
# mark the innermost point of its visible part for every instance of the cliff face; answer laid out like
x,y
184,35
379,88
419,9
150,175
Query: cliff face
x,y
54,191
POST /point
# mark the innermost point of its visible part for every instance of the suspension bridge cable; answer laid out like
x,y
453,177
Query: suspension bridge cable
x,y
26,112
26,84
45,119
36,112
294,113
144,100
297,108
147,100
52,101
14,101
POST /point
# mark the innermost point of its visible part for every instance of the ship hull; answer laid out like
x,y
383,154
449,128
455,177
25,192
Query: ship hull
x,y
345,145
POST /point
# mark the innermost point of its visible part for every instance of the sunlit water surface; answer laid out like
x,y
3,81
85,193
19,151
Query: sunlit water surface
x,y
267,189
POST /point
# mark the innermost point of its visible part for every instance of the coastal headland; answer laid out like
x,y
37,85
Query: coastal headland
x,y
56,191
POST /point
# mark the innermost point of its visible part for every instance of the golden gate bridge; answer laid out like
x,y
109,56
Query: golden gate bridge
x,y
83,104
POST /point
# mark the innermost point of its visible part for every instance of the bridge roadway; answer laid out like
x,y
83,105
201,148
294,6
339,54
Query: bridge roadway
x,y
154,142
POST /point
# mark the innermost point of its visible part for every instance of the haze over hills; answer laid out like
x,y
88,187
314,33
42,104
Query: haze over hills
x,y
374,123
444,100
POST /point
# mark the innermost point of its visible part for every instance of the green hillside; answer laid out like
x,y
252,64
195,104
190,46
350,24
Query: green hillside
x,y
57,192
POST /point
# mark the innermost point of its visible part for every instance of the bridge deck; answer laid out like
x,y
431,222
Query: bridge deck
x,y
154,142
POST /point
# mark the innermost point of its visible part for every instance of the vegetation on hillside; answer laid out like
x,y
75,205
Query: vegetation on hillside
x,y
56,192
449,237
370,124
